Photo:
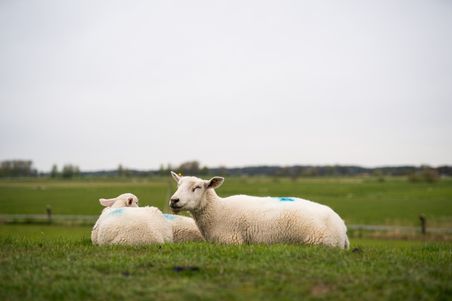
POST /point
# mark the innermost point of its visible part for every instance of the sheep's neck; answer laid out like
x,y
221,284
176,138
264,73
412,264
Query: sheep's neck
x,y
204,216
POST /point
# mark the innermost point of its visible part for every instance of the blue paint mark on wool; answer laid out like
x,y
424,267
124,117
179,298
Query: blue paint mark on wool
x,y
285,199
117,212
169,217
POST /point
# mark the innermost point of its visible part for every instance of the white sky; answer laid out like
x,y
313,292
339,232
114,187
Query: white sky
x,y
98,83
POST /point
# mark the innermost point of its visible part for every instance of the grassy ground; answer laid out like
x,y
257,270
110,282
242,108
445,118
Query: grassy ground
x,y
56,263
357,200
48,262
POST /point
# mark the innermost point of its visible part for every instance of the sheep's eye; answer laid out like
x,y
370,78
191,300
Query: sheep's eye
x,y
196,188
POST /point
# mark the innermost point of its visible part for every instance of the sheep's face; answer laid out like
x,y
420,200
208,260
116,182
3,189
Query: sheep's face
x,y
190,192
124,200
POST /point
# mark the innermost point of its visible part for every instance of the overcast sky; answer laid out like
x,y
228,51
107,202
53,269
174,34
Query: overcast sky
x,y
98,83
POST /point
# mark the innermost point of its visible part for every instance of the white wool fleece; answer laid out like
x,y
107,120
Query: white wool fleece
x,y
123,200
247,219
184,228
122,222
133,226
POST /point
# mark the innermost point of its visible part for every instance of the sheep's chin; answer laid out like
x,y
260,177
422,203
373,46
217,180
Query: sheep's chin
x,y
176,210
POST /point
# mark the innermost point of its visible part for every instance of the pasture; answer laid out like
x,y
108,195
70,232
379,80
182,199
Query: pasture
x,y
358,200
54,262
59,263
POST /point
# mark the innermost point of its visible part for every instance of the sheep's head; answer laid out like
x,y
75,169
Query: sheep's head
x,y
124,200
190,191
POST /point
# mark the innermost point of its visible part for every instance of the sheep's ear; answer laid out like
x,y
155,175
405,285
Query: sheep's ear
x,y
129,201
215,182
107,202
175,176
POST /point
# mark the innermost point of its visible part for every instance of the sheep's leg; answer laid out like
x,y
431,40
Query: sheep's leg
x,y
227,238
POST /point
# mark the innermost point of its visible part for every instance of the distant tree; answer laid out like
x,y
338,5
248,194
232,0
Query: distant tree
x,y
222,170
17,168
204,171
123,171
162,170
54,171
76,171
189,168
120,171
429,174
69,171
445,170
424,174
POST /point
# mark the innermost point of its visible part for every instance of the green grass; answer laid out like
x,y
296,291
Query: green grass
x,y
357,200
75,197
48,262
56,263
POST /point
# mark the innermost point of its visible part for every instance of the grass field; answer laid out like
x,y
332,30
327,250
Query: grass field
x,y
56,263
358,200
50,262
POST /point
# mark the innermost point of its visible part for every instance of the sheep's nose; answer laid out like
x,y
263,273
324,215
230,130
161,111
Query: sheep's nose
x,y
174,201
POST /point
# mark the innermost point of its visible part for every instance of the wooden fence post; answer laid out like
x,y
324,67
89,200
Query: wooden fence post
x,y
49,214
423,224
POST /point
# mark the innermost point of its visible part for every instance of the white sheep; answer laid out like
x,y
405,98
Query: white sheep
x,y
123,200
184,228
122,222
247,219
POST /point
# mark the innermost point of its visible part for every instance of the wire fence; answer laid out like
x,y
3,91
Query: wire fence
x,y
48,218
64,219
399,228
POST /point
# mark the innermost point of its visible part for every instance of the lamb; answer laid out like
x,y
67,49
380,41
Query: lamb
x,y
123,200
184,228
242,219
122,222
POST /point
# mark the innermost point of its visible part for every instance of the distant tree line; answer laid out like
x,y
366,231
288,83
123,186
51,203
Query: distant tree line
x,y
24,168
327,170
68,171
186,168
17,168
189,167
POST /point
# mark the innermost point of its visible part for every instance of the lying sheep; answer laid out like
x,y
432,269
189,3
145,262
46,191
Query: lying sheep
x,y
122,222
124,200
247,219
184,228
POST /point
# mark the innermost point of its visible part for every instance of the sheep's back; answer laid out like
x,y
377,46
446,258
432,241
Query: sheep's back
x,y
266,219
184,228
133,226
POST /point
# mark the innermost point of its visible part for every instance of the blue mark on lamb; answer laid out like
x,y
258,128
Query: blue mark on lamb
x,y
117,212
285,199
169,217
